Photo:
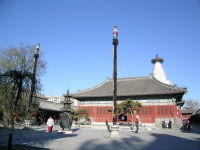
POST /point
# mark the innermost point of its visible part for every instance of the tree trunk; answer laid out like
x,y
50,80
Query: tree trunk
x,y
79,124
132,117
10,134
10,139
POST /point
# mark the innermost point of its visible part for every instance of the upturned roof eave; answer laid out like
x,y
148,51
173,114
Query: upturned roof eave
x,y
181,89
129,95
86,93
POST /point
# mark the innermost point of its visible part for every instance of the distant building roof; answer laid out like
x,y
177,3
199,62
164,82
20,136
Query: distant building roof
x,y
188,111
136,86
46,105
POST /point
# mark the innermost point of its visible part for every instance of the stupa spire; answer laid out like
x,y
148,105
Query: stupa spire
x,y
158,71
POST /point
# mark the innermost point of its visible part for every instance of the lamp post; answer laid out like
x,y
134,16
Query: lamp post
x,y
33,79
115,127
115,43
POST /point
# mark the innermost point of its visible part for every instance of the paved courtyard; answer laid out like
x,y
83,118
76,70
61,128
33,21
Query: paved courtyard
x,y
97,138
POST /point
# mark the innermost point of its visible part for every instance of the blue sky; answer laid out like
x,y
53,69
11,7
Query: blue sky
x,y
76,39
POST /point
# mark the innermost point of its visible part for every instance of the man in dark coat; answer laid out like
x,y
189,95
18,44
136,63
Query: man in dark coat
x,y
170,124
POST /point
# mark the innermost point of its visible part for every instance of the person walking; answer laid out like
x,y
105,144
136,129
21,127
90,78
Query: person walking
x,y
50,123
163,124
188,125
137,121
170,124
39,121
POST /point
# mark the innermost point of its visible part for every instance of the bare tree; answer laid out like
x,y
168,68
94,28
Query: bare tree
x,y
15,81
191,105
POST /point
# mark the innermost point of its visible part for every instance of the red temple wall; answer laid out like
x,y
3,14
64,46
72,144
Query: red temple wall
x,y
148,114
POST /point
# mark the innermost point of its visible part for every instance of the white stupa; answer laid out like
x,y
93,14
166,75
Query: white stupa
x,y
158,71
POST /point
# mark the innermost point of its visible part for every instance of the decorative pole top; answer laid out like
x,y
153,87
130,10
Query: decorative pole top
x,y
157,59
37,48
115,35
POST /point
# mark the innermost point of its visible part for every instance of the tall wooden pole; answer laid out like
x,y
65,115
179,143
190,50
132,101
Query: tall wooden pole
x,y
33,78
115,43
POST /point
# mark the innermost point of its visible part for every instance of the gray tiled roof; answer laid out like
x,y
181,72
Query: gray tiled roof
x,y
137,86
45,105
188,111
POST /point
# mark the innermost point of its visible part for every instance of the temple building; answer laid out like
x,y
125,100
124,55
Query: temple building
x,y
160,98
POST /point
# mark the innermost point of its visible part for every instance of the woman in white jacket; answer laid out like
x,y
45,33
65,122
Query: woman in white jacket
x,y
50,123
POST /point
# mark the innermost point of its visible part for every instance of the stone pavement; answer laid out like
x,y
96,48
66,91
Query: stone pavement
x,y
97,138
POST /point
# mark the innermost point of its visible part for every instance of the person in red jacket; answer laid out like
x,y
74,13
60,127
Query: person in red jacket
x,y
50,123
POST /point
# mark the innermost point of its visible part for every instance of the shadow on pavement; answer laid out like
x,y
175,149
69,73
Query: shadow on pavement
x,y
160,142
31,136
194,129
23,147
108,126
75,129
